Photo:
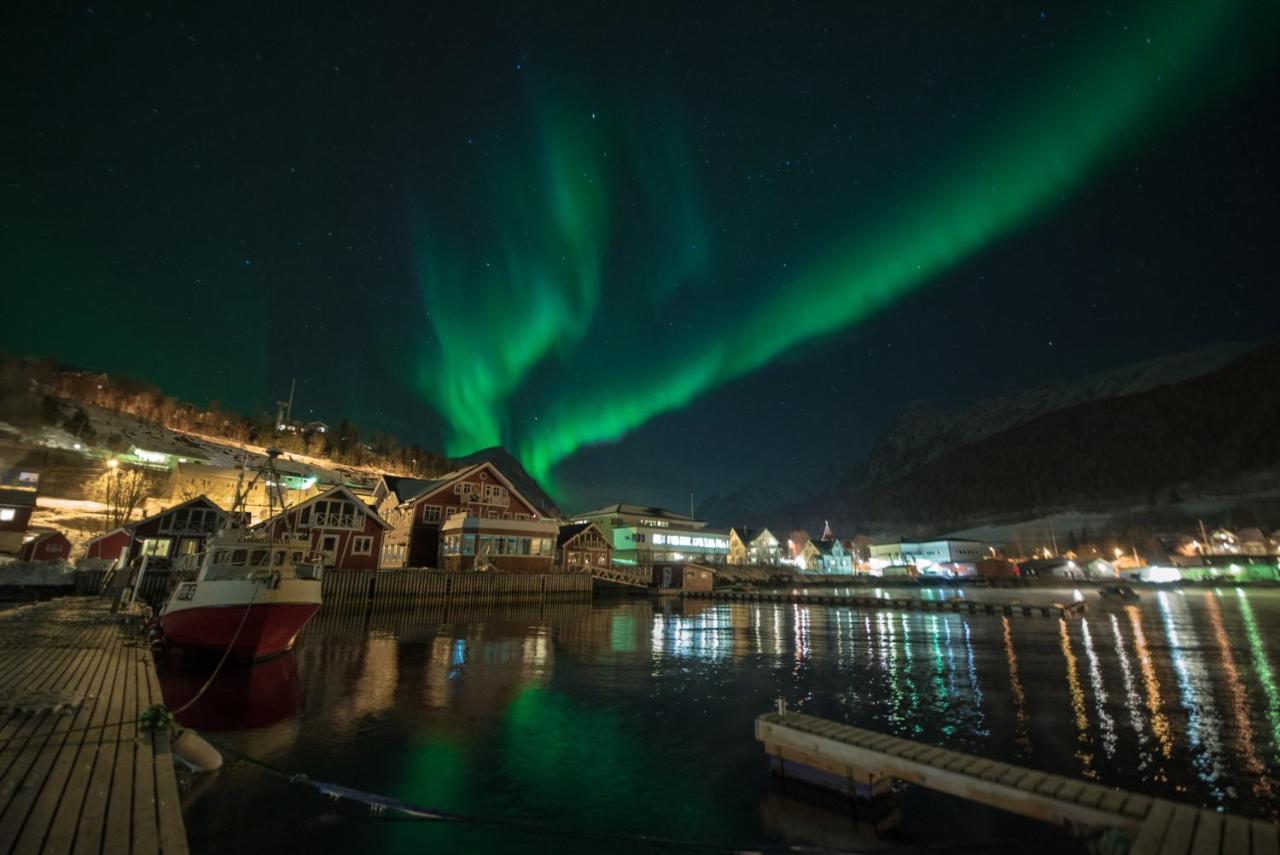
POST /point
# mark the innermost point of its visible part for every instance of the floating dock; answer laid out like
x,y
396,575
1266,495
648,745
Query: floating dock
x,y
78,773
854,760
954,604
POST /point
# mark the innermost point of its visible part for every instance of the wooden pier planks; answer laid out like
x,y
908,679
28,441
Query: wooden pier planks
x,y
1153,824
87,778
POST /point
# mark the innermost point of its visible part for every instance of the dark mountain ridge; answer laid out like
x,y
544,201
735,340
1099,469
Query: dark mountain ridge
x,y
1159,445
1154,433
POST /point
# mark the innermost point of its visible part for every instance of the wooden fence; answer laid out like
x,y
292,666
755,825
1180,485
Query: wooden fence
x,y
406,588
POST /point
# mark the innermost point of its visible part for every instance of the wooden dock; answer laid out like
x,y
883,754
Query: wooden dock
x,y
77,771
854,759
953,604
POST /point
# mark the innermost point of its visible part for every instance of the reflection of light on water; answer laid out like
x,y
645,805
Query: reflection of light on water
x,y
437,690
913,695
534,653
1133,702
1262,784
1262,667
702,636
1077,700
1020,731
1105,722
777,631
951,657
981,723
1155,704
889,663
800,620
940,694
1197,697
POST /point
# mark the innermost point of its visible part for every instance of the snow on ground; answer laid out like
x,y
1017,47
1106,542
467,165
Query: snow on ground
x,y
116,432
36,573
78,520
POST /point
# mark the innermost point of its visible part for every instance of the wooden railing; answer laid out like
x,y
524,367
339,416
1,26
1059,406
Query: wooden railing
x,y
634,577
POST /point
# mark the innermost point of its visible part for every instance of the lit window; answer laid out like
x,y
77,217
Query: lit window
x,y
7,514
155,547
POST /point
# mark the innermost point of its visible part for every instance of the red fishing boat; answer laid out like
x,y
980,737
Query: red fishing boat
x,y
248,592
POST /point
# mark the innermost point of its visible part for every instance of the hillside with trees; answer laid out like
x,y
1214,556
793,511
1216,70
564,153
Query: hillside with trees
x,y
37,392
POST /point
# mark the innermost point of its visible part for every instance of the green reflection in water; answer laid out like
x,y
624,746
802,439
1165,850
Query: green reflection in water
x,y
1262,666
435,774
622,633
564,754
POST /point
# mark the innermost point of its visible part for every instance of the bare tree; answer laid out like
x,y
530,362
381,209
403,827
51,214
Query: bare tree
x,y
123,491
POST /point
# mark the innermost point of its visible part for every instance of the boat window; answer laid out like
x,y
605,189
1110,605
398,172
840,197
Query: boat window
x,y
220,557
261,557
238,556
279,557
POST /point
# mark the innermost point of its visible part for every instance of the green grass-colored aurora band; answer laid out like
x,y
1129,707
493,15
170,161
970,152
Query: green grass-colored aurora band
x,y
1018,168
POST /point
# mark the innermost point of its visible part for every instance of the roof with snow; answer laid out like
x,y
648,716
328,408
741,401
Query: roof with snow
x,y
639,510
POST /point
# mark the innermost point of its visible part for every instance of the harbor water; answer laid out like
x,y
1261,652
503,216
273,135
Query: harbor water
x,y
583,727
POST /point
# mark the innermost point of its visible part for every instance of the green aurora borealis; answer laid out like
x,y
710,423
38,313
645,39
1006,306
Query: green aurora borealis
x,y
528,305
650,251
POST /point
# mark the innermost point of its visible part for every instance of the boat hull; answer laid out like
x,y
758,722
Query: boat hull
x,y
268,629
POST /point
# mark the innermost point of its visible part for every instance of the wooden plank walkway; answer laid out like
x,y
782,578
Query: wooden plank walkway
x,y
954,604
77,773
867,756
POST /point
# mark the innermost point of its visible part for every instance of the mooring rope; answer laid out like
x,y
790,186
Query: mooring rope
x,y
226,653
392,808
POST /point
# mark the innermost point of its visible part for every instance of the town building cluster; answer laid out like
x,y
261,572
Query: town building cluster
x,y
477,518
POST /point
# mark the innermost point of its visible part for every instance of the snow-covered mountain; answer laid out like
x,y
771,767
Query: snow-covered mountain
x,y
922,433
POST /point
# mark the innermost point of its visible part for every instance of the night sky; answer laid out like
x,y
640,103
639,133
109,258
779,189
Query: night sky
x,y
683,249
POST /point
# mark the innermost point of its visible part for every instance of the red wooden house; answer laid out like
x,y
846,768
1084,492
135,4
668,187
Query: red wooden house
x,y
344,531
180,530
479,491
45,545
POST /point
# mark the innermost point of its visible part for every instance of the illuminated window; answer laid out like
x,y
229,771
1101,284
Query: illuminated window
x,y
155,547
7,514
